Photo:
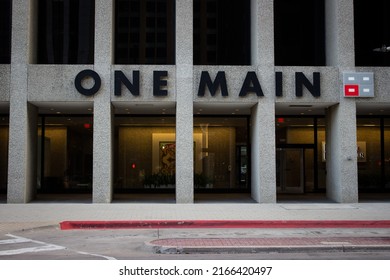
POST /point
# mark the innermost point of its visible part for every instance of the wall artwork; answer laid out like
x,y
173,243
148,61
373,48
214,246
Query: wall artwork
x,y
164,153
167,157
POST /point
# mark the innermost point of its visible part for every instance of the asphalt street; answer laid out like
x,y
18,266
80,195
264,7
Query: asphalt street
x,y
51,243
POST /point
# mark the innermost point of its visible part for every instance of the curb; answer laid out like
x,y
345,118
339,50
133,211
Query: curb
x,y
160,224
269,249
268,245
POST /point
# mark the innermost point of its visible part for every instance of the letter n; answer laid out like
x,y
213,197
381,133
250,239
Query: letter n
x,y
120,79
301,80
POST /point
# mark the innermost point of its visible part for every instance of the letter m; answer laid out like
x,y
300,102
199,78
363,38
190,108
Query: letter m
x,y
219,82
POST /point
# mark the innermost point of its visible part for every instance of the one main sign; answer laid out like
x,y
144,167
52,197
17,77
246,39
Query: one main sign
x,y
358,84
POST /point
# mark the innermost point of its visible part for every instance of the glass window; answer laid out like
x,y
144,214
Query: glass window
x,y
369,153
65,154
300,154
5,31
387,152
299,32
294,130
221,153
372,32
321,139
145,154
66,31
222,32
4,136
144,32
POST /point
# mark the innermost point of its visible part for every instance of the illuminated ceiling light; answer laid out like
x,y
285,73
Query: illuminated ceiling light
x,y
300,106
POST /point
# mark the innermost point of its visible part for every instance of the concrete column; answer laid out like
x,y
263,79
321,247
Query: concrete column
x,y
263,169
340,38
22,172
341,146
341,159
262,33
103,111
184,100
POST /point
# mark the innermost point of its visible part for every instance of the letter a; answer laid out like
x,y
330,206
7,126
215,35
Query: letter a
x,y
251,84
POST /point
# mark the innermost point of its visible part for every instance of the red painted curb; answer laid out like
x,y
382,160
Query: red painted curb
x,y
154,224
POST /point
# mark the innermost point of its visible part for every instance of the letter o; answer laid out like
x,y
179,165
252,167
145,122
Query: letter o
x,y
83,75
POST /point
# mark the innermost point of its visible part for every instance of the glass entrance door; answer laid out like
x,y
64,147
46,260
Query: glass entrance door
x,y
290,170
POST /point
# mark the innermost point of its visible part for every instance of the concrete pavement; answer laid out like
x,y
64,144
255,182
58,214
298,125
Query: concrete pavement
x,y
57,212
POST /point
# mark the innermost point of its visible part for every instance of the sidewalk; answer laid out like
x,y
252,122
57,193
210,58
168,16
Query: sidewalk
x,y
57,212
217,228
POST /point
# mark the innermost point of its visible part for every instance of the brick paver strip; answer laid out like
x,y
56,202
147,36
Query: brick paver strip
x,y
259,242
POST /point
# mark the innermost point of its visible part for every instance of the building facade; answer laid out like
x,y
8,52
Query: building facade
x,y
123,98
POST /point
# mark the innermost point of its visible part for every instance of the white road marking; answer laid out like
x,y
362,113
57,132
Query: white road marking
x,y
31,250
44,247
14,241
17,239
96,255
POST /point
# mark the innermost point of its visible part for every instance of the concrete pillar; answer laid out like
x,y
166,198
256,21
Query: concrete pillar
x,y
22,173
184,100
262,33
340,38
263,169
103,111
341,159
263,159
341,146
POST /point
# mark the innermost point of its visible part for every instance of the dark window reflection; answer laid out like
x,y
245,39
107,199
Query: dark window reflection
x,y
144,32
299,32
5,31
221,32
66,31
372,32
